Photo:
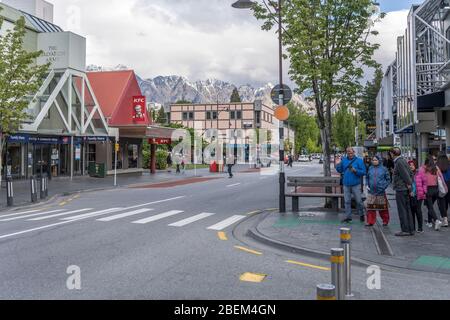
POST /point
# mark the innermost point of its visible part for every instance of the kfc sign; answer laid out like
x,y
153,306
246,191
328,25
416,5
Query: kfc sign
x,y
159,141
139,109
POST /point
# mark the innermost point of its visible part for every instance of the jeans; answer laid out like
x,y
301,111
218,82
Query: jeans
x,y
432,196
356,191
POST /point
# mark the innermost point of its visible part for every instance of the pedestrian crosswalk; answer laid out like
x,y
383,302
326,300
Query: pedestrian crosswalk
x,y
142,216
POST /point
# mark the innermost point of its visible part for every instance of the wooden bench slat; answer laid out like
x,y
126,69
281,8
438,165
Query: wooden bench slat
x,y
317,195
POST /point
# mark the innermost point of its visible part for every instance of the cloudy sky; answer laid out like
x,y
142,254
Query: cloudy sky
x,y
198,39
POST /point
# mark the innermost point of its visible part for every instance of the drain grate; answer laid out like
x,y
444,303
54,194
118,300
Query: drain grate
x,y
382,244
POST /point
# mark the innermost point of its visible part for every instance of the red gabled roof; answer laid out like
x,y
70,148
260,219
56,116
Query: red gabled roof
x,y
114,91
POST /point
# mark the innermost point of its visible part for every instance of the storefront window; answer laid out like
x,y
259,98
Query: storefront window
x,y
91,153
133,155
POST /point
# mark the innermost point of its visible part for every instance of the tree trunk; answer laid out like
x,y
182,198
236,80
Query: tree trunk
x,y
2,143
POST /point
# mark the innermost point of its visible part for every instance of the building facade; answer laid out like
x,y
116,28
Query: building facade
x,y
414,100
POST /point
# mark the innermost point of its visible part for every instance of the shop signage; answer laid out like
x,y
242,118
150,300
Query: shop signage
x,y
95,139
139,109
78,152
160,141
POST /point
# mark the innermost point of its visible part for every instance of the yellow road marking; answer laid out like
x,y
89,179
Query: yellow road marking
x,y
248,250
63,203
222,236
272,209
253,212
308,265
76,197
252,277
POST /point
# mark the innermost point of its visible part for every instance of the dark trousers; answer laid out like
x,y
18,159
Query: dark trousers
x,y
447,200
416,210
404,211
230,166
432,196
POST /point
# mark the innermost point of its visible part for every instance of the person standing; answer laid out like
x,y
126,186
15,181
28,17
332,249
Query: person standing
x,y
169,162
230,164
419,195
378,180
443,165
352,169
433,174
402,185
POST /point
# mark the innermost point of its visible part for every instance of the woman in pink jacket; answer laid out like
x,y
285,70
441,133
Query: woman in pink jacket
x,y
419,195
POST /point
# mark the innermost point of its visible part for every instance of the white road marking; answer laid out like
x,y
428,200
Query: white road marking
x,y
123,215
31,215
187,221
233,185
35,229
158,217
60,214
155,202
17,214
226,223
93,214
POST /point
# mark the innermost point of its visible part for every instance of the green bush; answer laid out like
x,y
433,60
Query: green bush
x,y
161,159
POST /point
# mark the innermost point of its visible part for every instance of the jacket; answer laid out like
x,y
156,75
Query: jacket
x,y
351,179
402,176
378,180
420,181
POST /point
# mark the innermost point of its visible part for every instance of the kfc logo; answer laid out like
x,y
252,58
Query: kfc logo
x,y
139,109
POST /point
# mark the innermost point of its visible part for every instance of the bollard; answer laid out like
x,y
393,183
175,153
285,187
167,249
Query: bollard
x,y
33,188
46,185
9,192
326,292
42,187
337,272
346,239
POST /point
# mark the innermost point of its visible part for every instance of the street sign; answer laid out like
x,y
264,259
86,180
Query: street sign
x,y
285,91
159,141
282,113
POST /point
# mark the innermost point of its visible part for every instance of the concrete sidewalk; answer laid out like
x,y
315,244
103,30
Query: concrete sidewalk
x,y
314,232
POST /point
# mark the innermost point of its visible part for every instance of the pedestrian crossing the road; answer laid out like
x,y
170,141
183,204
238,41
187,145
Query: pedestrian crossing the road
x,y
142,216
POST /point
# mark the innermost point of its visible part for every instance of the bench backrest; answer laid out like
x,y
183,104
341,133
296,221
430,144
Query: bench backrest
x,y
314,181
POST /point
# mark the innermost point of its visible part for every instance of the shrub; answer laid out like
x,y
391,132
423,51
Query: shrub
x,y
161,159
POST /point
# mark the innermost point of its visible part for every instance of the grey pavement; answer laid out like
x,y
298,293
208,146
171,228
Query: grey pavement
x,y
316,231
163,243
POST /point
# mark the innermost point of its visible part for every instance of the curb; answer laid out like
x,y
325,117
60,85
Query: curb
x,y
255,234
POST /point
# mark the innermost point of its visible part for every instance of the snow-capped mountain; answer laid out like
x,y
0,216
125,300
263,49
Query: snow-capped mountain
x,y
170,89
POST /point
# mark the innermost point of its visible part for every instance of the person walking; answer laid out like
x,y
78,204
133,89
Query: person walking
x,y
378,180
352,169
230,164
433,175
290,160
169,162
444,165
419,195
402,184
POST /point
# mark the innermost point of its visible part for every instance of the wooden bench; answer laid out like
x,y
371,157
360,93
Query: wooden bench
x,y
315,182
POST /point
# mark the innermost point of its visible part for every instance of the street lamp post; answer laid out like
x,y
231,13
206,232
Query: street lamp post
x,y
247,4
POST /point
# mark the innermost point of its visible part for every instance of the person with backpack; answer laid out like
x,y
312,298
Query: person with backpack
x,y
352,169
378,180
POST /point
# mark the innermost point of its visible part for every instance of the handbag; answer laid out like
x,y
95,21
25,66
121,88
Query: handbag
x,y
374,202
441,187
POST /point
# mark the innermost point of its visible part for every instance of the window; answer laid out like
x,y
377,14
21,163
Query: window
x,y
133,155
214,115
208,115
188,116
239,115
258,117
185,115
191,116
232,115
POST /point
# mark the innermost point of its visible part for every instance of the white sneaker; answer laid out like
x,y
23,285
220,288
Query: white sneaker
x,y
429,224
437,225
445,222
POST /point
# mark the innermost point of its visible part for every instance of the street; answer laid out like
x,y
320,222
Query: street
x,y
179,242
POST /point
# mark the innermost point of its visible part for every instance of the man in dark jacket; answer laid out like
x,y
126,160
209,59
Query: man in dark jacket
x,y
402,184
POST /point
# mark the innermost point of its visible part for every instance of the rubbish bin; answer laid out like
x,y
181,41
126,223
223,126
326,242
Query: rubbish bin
x,y
97,170
213,167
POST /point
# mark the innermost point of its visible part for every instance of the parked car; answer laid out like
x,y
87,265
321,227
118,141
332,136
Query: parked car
x,y
321,160
303,158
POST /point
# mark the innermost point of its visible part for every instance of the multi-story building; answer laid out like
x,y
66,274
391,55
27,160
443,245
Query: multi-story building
x,y
415,94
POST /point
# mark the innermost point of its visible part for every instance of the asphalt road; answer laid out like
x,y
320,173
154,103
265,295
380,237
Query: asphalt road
x,y
182,242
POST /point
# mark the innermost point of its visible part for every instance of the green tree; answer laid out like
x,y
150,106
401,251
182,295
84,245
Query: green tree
x,y
328,47
235,98
367,106
20,78
161,116
305,127
343,128
182,101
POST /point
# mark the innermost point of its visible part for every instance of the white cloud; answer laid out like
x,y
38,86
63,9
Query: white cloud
x,y
197,39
